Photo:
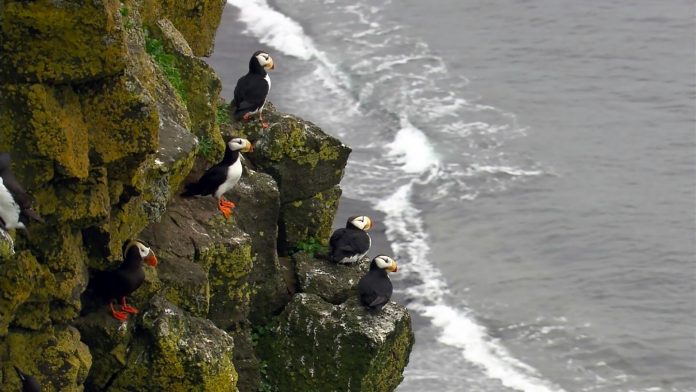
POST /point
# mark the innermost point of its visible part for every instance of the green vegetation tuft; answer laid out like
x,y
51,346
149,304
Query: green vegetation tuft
x,y
206,147
223,113
264,385
124,11
311,246
166,62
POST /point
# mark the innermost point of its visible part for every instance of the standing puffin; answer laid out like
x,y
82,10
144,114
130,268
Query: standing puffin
x,y
222,177
121,282
15,203
252,89
375,287
29,383
350,244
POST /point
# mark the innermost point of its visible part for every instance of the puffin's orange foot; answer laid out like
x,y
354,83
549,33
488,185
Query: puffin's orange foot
x,y
246,116
227,203
127,308
265,124
118,315
226,211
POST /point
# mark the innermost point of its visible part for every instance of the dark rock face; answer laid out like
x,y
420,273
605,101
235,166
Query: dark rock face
x,y
332,282
316,346
299,155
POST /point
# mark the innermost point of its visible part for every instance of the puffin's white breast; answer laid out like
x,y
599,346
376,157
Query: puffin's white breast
x,y
9,209
234,173
268,80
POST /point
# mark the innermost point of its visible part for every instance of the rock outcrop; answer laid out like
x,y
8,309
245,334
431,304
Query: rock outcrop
x,y
107,111
316,346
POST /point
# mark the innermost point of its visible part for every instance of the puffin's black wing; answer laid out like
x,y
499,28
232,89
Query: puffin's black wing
x,y
348,243
16,190
249,94
29,383
375,289
109,285
208,183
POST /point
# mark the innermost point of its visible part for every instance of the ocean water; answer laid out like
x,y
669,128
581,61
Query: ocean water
x,y
535,164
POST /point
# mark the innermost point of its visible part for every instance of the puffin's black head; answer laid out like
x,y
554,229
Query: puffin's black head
x,y
138,250
240,144
260,61
361,222
383,262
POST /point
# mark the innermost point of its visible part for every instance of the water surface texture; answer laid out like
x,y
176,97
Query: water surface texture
x,y
535,164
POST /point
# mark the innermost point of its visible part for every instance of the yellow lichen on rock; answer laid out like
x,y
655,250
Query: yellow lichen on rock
x,y
59,42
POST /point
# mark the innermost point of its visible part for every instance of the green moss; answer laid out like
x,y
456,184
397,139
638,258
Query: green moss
x,y
293,144
166,62
223,114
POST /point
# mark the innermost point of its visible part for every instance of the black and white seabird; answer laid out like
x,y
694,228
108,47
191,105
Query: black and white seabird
x,y
375,287
29,383
15,202
252,89
124,280
350,244
222,177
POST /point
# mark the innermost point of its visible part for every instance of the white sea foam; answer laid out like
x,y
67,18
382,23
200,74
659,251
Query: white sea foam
x,y
274,28
459,329
412,149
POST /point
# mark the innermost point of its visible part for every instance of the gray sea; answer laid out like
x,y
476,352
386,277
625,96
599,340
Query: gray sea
x,y
533,161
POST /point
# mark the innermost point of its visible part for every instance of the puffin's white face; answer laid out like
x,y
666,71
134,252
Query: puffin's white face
x,y
146,253
240,144
265,60
361,222
386,263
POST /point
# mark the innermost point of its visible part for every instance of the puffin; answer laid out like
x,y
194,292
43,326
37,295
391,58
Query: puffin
x,y
252,89
350,244
124,280
29,383
375,287
15,203
222,177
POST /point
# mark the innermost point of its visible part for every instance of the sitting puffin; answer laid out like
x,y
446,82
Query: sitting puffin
x,y
350,244
124,280
222,177
375,287
29,383
252,89
15,203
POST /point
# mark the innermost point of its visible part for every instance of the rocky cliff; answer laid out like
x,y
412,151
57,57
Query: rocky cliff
x,y
107,111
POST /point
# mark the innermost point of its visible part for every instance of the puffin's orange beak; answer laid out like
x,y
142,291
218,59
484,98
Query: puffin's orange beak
x,y
151,259
393,268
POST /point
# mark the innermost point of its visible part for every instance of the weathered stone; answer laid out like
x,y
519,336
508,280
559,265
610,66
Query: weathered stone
x,y
332,282
177,352
109,341
257,215
55,356
299,155
20,274
61,41
44,123
209,260
316,346
201,90
312,218
197,20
